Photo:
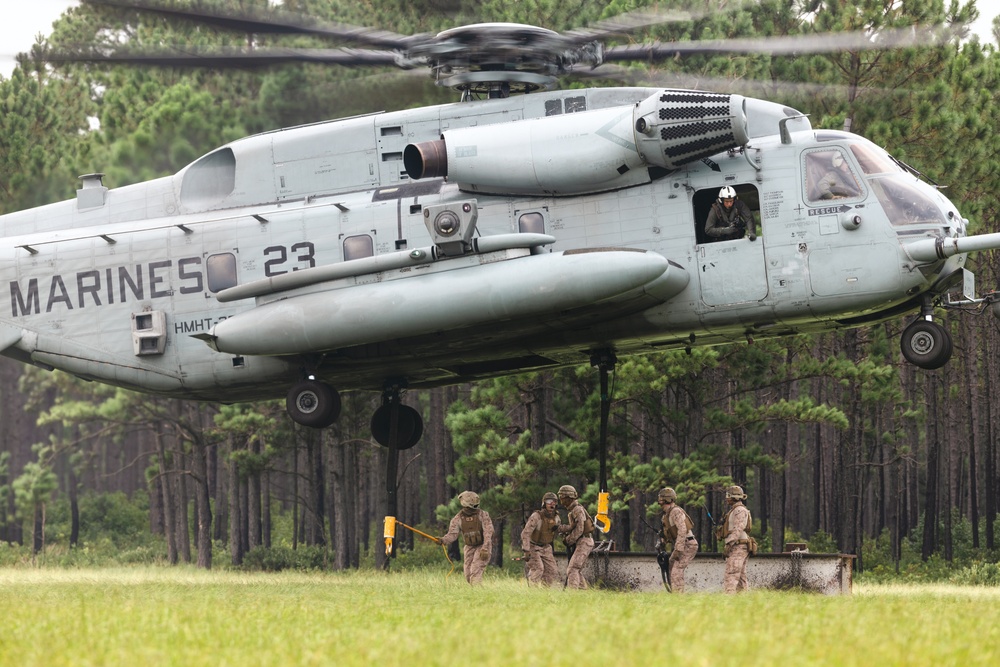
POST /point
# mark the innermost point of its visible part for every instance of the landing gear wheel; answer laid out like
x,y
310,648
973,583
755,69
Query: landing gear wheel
x,y
926,344
409,426
313,403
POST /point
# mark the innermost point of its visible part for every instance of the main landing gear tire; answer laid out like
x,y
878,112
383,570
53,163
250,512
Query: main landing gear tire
x,y
312,403
409,426
926,344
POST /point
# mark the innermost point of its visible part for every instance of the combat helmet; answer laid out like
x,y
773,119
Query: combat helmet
x,y
469,499
549,496
567,491
736,493
666,495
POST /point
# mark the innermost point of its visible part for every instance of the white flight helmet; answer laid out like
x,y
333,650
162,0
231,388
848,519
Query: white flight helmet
x,y
727,193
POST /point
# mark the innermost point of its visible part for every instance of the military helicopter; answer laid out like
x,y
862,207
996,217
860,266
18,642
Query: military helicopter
x,y
521,228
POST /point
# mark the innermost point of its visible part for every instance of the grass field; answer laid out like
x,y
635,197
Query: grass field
x,y
180,616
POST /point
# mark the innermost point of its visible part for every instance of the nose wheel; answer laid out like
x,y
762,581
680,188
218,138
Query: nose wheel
x,y
926,344
313,403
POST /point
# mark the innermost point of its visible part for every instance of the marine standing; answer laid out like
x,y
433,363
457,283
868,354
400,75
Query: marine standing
x,y
677,533
536,541
735,530
577,535
476,529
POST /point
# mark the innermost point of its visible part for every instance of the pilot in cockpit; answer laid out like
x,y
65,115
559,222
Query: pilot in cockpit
x,y
838,182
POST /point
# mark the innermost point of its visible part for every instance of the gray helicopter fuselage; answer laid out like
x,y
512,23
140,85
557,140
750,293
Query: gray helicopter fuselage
x,y
309,250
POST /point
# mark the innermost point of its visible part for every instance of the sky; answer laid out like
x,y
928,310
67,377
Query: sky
x,y
19,26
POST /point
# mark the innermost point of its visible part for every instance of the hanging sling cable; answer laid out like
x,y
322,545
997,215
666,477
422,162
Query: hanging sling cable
x,y
389,533
605,361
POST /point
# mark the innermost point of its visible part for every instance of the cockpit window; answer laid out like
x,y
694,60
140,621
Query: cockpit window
x,y
874,160
905,203
829,176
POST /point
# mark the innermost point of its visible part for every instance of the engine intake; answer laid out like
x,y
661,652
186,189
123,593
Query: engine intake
x,y
678,127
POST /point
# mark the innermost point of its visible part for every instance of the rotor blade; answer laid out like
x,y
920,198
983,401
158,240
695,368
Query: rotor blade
x,y
764,89
785,44
273,21
229,57
629,22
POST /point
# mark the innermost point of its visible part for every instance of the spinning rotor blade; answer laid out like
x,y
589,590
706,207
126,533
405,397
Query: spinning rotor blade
x,y
273,21
231,57
742,86
490,58
781,45
630,22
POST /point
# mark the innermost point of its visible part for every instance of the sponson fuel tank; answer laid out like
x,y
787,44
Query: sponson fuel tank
x,y
584,152
516,289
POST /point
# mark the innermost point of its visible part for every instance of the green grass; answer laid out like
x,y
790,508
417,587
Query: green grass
x,y
182,616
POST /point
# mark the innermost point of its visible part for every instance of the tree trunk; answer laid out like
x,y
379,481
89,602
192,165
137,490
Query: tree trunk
x,y
236,539
992,397
253,501
265,515
931,494
217,486
166,487
183,528
74,504
318,492
203,508
38,530
973,362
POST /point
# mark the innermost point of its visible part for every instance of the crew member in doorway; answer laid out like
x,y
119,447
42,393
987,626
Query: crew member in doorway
x,y
730,218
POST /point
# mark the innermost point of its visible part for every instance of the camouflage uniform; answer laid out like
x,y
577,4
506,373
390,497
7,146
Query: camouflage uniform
x,y
677,527
536,541
735,527
476,528
578,536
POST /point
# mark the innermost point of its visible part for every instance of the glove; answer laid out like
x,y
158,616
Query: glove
x,y
484,554
753,237
675,555
729,547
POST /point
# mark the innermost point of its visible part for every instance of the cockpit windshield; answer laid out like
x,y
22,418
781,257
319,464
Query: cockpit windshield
x,y
905,202
874,160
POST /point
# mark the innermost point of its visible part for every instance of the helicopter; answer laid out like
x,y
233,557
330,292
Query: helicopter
x,y
521,228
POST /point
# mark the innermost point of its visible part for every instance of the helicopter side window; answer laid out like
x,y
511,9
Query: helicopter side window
x,y
829,176
210,179
221,271
705,200
531,223
356,247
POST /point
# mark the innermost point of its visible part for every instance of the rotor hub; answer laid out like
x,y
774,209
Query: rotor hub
x,y
497,58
